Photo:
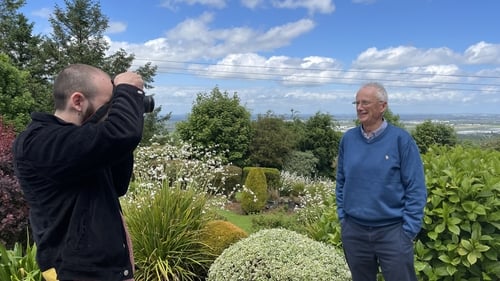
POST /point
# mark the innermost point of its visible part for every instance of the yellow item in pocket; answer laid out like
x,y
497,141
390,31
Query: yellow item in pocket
x,y
50,275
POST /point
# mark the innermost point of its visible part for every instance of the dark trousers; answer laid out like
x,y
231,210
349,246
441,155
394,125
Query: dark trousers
x,y
366,248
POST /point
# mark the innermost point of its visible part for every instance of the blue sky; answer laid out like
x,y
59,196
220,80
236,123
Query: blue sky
x,y
433,56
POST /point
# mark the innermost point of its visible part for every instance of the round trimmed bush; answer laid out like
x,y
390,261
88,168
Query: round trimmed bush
x,y
219,235
279,254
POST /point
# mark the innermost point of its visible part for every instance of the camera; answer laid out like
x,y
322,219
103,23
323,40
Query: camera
x,y
149,104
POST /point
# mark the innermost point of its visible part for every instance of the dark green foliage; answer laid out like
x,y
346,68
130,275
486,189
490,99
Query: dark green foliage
x,y
271,142
15,98
82,23
429,133
23,49
218,121
13,207
278,219
461,234
254,195
322,139
233,178
301,163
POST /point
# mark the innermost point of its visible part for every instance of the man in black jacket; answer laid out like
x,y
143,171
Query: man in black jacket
x,y
74,165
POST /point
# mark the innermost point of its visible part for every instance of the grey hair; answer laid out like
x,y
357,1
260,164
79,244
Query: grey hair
x,y
381,93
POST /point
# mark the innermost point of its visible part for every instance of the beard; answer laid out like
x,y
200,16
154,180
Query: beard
x,y
88,113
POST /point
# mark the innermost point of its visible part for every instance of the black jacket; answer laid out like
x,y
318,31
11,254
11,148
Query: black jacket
x,y
72,177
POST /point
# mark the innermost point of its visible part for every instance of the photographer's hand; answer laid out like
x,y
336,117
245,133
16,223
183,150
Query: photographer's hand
x,y
130,78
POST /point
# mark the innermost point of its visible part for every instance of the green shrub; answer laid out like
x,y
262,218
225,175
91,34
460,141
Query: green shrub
x,y
254,194
273,176
461,232
219,235
17,265
166,230
277,219
279,254
327,227
229,181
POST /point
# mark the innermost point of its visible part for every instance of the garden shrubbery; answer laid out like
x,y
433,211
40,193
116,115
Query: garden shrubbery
x,y
254,194
279,254
461,232
219,235
166,229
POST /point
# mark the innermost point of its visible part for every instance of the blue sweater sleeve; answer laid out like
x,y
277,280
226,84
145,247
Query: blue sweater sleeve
x,y
413,178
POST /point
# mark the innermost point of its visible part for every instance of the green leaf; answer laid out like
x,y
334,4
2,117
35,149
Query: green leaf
x,y
439,228
454,229
451,270
473,256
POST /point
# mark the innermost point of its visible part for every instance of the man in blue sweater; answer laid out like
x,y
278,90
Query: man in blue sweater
x,y
380,192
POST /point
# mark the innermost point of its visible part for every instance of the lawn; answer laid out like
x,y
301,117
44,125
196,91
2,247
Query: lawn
x,y
242,221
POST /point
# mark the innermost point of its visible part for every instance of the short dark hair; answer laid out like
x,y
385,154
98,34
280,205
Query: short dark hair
x,y
74,78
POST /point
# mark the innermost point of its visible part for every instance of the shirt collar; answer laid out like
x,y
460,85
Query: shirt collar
x,y
375,133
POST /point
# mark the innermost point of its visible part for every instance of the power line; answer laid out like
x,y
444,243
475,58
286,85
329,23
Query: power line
x,y
278,72
274,68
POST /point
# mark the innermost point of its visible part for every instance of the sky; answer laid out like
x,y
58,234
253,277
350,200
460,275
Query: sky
x,y
309,56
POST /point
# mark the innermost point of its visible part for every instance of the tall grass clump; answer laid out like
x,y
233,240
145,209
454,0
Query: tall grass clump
x,y
166,234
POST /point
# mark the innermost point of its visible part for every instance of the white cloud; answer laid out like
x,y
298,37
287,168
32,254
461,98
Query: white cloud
x,y
483,53
321,6
251,4
403,56
116,27
44,13
194,40
173,4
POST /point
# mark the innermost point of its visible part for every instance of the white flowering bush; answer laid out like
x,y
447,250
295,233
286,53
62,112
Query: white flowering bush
x,y
178,164
279,254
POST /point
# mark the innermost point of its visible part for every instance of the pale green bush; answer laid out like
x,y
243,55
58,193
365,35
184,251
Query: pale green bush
x,y
279,254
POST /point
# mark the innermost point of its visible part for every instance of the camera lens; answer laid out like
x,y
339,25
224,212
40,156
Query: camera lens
x,y
149,104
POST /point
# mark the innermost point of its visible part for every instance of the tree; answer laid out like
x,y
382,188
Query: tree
x,y
77,35
429,133
155,127
218,121
322,140
270,144
15,98
23,49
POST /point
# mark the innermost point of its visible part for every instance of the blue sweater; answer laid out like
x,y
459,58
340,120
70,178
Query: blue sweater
x,y
381,181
